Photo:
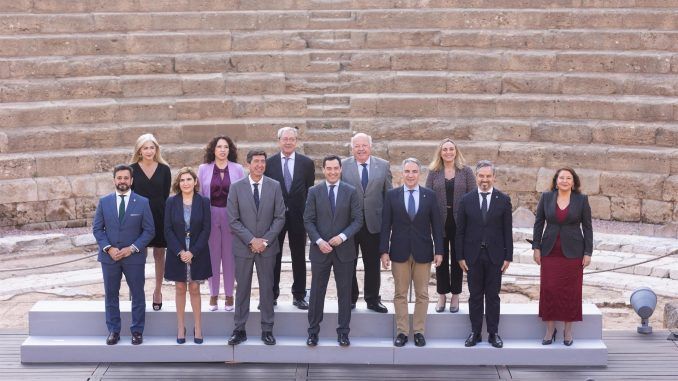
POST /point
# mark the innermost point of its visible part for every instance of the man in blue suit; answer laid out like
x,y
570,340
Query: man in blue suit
x,y
484,250
123,226
411,223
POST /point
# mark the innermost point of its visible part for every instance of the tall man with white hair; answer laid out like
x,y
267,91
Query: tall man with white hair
x,y
295,173
411,238
372,178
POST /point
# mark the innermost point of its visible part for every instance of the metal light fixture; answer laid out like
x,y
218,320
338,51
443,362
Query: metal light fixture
x,y
644,301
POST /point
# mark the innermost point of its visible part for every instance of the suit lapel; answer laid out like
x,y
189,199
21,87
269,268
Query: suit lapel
x,y
551,207
111,203
341,194
371,171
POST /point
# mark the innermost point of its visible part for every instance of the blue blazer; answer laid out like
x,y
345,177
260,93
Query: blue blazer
x,y
497,232
136,228
175,235
409,237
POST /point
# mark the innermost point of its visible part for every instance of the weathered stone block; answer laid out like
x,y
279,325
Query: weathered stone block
x,y
203,108
60,210
85,207
82,186
625,209
538,83
18,190
369,61
670,191
630,184
407,106
255,84
285,106
155,86
51,188
18,167
30,212
589,85
656,212
474,83
523,218
133,110
463,106
600,207
203,84
513,178
671,315
419,61
529,61
500,130
624,134
463,60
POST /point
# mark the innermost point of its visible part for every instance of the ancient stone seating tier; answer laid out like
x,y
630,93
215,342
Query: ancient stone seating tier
x,y
533,85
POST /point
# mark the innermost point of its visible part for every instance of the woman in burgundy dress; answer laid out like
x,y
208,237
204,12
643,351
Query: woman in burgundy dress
x,y
562,250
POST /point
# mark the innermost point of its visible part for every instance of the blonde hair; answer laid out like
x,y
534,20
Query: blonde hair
x,y
177,178
143,139
437,162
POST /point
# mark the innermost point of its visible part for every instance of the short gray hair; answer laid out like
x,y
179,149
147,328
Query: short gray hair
x,y
282,130
411,160
361,135
483,164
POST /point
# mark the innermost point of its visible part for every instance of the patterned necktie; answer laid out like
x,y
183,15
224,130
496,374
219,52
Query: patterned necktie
x,y
364,178
333,204
121,208
287,176
256,195
483,207
411,206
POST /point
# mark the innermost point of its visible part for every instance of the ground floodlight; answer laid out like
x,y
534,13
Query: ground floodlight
x,y
644,301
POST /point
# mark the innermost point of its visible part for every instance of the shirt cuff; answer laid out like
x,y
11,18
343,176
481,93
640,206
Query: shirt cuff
x,y
318,241
343,237
136,250
107,247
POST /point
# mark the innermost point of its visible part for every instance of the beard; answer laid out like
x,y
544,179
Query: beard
x,y
122,188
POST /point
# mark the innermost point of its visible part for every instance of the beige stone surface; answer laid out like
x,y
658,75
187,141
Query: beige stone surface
x,y
656,212
625,209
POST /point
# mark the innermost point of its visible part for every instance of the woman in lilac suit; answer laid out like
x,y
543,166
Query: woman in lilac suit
x,y
219,171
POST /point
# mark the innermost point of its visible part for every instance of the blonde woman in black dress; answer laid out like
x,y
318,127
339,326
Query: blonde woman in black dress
x,y
152,179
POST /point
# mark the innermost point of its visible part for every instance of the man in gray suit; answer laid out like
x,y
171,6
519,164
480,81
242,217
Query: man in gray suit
x,y
371,176
332,217
256,213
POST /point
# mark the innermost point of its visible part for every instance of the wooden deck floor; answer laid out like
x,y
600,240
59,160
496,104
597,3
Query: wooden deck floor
x,y
631,357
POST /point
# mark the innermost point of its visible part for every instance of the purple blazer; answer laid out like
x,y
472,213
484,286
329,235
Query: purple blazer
x,y
235,172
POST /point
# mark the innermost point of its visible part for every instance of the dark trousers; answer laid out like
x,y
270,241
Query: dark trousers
x,y
321,275
243,277
369,247
296,236
449,275
484,284
135,278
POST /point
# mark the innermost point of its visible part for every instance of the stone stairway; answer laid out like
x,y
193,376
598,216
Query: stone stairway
x,y
530,84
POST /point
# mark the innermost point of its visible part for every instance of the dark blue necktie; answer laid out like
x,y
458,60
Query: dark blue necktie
x,y
483,207
411,206
256,195
364,178
333,204
121,208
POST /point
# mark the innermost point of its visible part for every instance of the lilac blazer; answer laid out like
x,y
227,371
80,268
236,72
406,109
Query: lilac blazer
x,y
235,173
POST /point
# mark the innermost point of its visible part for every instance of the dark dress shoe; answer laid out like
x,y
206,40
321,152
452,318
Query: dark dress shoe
x,y
343,340
112,338
267,338
400,340
312,340
182,340
473,339
300,304
237,337
137,338
197,340
495,340
419,340
353,306
377,307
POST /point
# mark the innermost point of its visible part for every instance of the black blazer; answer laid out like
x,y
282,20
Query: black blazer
x,y
411,237
497,232
175,233
302,179
575,241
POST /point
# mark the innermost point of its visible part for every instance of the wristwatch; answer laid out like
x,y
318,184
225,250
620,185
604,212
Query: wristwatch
x,y
266,243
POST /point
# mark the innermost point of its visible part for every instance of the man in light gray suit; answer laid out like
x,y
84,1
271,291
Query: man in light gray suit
x,y
256,213
332,217
371,176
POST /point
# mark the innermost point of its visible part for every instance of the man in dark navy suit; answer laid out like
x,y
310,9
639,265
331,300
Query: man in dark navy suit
x,y
484,250
410,218
123,226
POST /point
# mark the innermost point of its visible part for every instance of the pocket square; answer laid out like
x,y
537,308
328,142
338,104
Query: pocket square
x,y
135,214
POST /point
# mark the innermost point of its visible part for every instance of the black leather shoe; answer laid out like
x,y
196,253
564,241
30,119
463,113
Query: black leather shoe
x,y
400,340
353,306
473,339
377,307
267,338
137,338
495,340
237,337
112,338
300,304
343,340
312,340
419,340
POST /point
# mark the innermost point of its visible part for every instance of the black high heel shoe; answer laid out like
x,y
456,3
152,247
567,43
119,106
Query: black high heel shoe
x,y
568,342
440,308
197,340
550,341
181,340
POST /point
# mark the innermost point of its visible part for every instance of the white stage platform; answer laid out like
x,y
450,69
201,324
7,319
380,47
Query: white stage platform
x,y
64,331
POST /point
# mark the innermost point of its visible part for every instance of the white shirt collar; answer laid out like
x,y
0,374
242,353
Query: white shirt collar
x,y
366,162
252,182
126,194
282,156
406,189
328,184
490,192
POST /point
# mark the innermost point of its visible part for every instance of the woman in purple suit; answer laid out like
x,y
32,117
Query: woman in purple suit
x,y
219,171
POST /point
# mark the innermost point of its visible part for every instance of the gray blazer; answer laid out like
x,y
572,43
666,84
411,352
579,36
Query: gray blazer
x,y
248,222
372,199
464,182
320,223
575,241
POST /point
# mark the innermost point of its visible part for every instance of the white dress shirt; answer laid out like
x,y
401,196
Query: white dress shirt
x,y
416,196
336,195
489,197
290,163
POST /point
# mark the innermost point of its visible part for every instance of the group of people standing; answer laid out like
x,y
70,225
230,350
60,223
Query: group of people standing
x,y
221,222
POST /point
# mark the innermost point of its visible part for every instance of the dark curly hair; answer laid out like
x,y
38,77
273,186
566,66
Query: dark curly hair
x,y
575,177
209,149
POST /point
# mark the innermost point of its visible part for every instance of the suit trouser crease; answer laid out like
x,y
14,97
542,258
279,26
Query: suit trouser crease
x,y
403,274
135,278
369,247
296,236
319,281
243,271
484,284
